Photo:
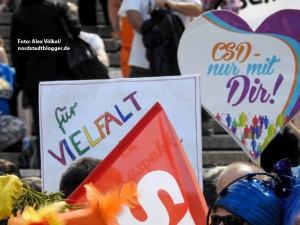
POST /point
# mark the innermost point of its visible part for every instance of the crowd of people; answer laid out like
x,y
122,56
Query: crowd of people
x,y
238,194
241,193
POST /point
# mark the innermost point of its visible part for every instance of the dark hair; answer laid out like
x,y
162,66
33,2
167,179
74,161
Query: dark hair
x,y
34,182
76,173
284,145
4,222
29,2
8,167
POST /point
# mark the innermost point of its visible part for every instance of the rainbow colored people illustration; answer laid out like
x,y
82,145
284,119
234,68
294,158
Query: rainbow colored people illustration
x,y
254,131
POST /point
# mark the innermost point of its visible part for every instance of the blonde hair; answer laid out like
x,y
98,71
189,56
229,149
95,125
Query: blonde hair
x,y
73,7
1,42
3,55
214,172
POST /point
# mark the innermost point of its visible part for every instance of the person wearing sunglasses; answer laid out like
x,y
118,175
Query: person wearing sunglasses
x,y
228,220
247,201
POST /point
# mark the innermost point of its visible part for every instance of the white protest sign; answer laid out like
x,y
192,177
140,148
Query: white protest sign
x,y
250,81
89,118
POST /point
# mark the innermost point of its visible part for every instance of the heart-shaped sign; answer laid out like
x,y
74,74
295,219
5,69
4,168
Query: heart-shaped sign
x,y
249,80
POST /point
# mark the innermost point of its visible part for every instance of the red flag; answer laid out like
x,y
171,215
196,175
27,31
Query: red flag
x,y
152,156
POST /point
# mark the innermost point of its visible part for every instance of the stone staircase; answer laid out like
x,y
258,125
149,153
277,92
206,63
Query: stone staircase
x,y
218,149
112,46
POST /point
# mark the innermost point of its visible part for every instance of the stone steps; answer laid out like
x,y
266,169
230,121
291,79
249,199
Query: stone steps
x,y
10,156
112,47
221,142
30,173
218,149
5,18
114,58
103,30
210,159
220,158
218,129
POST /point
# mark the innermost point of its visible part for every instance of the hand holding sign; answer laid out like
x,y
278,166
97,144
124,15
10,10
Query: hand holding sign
x,y
249,79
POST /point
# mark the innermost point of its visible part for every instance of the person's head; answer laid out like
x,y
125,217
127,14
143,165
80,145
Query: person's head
x,y
76,173
34,182
246,201
291,205
235,170
8,167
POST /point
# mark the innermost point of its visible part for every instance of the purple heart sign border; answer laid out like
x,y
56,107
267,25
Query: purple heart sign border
x,y
249,79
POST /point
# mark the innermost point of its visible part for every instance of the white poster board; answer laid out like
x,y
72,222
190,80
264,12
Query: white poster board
x,y
251,88
89,118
